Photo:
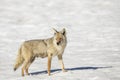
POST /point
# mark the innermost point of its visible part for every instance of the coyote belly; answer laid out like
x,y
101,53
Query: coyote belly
x,y
31,49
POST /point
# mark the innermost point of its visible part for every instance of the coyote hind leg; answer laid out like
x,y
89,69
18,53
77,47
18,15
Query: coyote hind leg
x,y
23,68
28,65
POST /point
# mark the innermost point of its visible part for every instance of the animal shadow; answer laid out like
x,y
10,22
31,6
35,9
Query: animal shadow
x,y
70,69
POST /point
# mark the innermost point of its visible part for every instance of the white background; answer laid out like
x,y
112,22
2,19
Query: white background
x,y
93,31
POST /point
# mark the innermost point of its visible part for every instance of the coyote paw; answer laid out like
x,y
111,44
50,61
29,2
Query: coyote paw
x,y
64,70
23,75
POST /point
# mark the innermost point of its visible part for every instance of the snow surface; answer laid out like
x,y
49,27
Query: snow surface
x,y
93,31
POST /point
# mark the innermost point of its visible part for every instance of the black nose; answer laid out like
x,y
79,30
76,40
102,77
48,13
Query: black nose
x,y
58,43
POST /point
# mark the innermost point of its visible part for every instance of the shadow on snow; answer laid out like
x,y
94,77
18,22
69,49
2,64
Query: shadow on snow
x,y
69,69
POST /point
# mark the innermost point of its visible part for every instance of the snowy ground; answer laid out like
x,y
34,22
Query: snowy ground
x,y
93,31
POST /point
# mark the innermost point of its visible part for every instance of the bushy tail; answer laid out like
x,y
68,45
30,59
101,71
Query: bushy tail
x,y
19,60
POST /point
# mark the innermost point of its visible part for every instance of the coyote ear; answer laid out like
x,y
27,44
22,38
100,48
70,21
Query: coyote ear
x,y
63,31
55,31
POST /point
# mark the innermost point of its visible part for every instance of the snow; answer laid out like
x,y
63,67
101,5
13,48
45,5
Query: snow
x,y
93,31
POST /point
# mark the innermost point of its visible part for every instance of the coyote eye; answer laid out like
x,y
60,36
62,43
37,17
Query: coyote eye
x,y
60,39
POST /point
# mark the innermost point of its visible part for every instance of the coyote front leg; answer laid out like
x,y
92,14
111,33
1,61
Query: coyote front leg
x,y
61,63
49,63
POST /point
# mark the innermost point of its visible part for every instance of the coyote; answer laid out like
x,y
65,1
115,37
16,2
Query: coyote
x,y
50,47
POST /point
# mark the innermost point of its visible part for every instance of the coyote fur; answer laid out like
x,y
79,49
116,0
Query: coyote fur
x,y
31,49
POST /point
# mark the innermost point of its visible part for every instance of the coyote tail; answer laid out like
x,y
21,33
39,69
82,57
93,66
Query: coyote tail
x,y
19,60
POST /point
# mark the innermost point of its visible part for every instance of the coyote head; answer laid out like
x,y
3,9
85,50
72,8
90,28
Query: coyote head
x,y
59,36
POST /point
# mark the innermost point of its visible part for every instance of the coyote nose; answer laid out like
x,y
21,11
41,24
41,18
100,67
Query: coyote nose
x,y
58,42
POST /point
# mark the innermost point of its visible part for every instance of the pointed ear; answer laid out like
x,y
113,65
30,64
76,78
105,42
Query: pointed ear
x,y
55,31
64,31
